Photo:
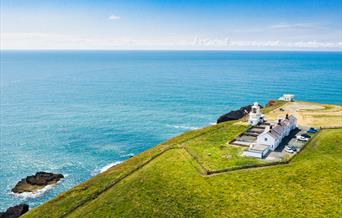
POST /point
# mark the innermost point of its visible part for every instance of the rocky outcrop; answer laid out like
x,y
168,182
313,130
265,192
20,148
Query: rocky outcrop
x,y
235,115
36,182
270,103
15,211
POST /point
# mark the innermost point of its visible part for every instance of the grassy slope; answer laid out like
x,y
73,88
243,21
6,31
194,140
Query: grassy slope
x,y
170,186
276,104
213,152
71,199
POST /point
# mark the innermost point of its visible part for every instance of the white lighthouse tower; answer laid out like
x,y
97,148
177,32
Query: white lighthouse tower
x,y
255,116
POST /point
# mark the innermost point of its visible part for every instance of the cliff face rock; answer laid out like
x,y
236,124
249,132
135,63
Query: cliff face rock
x,y
235,115
270,103
36,182
15,211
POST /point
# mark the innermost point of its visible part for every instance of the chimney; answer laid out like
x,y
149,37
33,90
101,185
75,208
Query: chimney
x,y
271,126
287,116
279,121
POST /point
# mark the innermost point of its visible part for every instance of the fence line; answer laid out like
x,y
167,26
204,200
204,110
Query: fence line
x,y
134,169
230,169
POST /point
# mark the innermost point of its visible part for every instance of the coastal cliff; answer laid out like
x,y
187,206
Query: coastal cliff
x,y
171,179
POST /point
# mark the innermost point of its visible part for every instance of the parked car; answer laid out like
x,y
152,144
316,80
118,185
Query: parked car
x,y
289,150
306,135
312,130
301,138
293,148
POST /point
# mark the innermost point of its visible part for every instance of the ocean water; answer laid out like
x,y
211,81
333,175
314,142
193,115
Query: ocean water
x,y
76,112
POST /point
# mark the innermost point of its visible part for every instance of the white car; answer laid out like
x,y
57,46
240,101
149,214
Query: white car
x,y
289,150
302,138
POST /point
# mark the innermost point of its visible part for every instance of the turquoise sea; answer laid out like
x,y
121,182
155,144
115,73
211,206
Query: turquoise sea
x,y
75,112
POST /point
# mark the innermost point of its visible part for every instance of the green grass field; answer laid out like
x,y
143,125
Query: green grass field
x,y
170,186
213,152
277,104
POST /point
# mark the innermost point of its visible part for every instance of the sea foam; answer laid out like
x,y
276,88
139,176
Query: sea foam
x,y
185,127
105,168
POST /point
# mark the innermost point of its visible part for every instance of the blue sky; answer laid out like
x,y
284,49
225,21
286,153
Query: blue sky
x,y
161,24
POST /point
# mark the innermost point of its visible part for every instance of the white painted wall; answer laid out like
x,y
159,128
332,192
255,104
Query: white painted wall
x,y
252,154
266,139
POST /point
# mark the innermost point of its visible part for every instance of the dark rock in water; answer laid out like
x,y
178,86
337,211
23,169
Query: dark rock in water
x,y
235,115
36,182
15,211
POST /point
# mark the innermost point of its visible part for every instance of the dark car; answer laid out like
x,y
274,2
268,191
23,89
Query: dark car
x,y
306,135
312,130
294,148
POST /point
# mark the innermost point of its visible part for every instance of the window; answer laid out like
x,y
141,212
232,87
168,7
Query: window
x,y
265,139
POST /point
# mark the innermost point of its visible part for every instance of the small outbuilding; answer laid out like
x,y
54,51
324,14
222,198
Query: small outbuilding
x,y
257,150
287,97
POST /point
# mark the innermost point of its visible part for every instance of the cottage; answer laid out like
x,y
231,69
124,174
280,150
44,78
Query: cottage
x,y
271,137
274,134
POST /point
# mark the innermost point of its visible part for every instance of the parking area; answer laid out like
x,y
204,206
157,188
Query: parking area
x,y
290,140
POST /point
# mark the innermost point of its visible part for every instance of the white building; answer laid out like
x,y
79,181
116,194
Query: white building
x,y
287,97
255,116
274,134
257,150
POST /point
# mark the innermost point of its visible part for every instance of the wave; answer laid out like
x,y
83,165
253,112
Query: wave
x,y
105,168
184,127
128,155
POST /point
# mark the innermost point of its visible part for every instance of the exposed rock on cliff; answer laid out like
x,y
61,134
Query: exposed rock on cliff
x,y
15,211
36,182
235,115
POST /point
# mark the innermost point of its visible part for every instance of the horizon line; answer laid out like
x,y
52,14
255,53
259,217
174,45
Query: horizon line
x,y
213,50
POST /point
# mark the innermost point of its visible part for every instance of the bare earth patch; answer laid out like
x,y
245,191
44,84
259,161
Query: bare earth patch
x,y
310,114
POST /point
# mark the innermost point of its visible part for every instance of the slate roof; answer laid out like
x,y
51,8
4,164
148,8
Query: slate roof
x,y
274,134
279,129
285,122
292,118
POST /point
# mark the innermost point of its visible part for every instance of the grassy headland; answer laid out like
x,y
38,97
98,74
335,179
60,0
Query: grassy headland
x,y
168,181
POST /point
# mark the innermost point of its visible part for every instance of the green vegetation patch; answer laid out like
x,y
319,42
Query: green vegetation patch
x,y
275,105
213,152
93,187
169,186
323,116
68,201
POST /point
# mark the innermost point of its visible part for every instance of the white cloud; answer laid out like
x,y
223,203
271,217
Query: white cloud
x,y
114,17
65,41
281,27
227,43
293,26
